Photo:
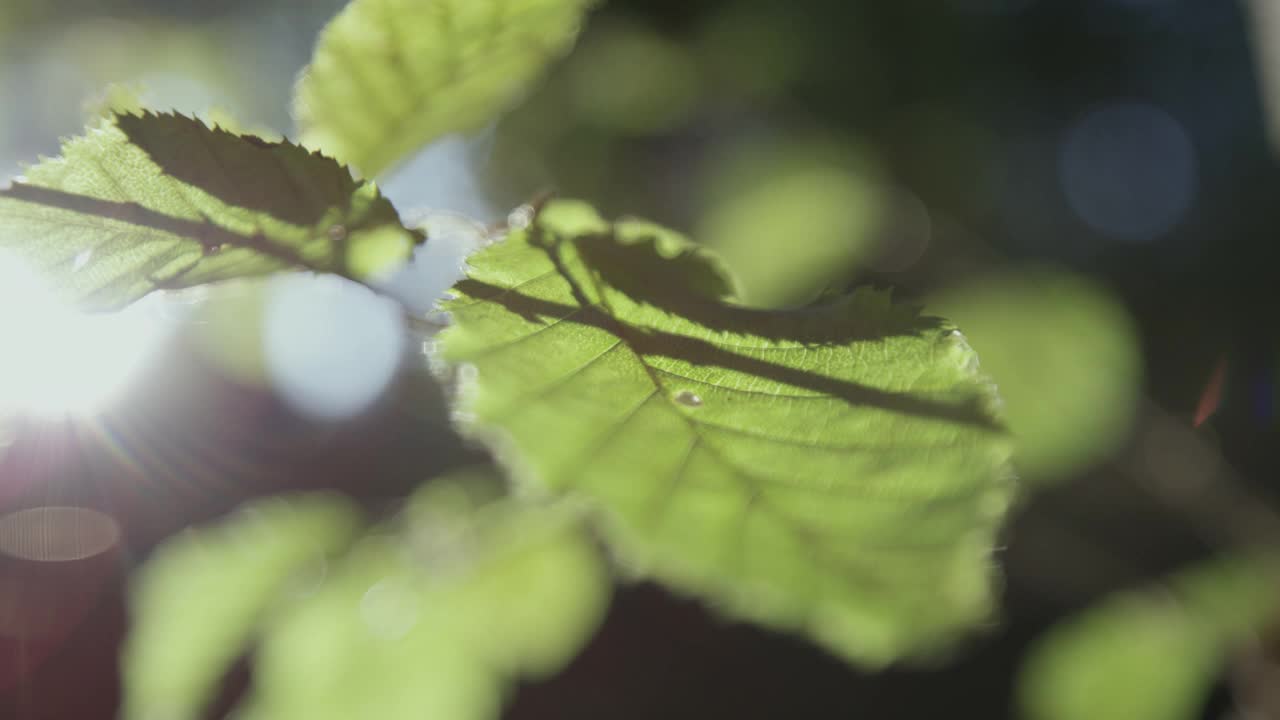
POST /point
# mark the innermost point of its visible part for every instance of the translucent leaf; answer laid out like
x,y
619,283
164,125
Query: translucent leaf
x,y
834,470
433,621
1153,654
1065,356
389,76
199,599
162,201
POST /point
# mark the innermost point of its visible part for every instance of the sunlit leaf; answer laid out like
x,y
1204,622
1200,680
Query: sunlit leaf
x,y
1066,359
835,471
1152,654
162,201
435,619
198,601
389,76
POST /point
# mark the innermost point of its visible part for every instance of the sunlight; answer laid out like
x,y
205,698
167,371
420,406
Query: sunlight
x,y
56,361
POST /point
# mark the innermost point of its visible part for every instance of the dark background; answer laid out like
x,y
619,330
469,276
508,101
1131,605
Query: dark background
x,y
967,103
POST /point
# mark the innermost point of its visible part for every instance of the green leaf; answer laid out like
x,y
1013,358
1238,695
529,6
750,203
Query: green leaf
x,y
199,599
434,619
835,470
389,76
161,201
1152,654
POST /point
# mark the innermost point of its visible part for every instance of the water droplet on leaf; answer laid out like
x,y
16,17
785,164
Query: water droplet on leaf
x,y
338,233
689,399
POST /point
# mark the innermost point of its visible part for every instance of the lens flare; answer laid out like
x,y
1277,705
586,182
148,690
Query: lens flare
x,y
55,361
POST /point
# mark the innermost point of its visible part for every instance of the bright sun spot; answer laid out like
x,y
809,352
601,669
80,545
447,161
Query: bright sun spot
x,y
55,361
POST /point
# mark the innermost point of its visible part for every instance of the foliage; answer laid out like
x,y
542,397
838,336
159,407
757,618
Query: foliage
x,y
152,201
1152,654
229,578
425,615
391,75
837,470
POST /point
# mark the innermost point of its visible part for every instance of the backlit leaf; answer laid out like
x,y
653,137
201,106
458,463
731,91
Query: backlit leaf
x,y
835,470
389,76
434,618
198,601
161,201
1153,654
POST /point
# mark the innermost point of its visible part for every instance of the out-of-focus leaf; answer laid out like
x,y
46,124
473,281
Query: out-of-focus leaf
x,y
791,220
1063,353
834,471
1151,654
435,620
389,76
198,601
629,79
754,51
162,201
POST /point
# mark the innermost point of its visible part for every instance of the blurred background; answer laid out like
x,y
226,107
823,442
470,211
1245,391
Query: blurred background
x,y
1087,187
